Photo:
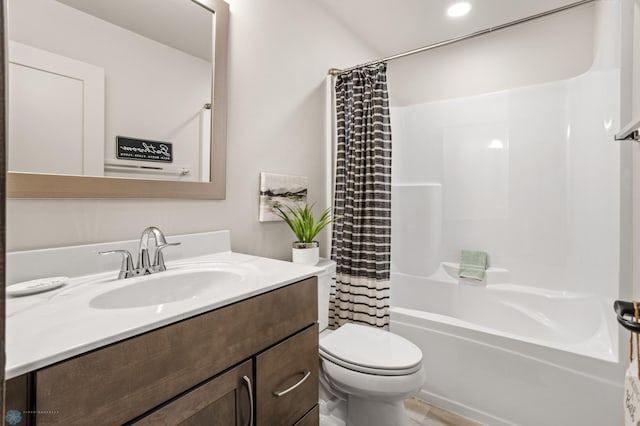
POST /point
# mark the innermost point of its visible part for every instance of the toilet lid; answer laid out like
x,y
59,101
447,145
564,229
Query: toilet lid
x,y
371,350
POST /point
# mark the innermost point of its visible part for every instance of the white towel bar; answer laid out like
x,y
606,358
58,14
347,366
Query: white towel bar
x,y
182,171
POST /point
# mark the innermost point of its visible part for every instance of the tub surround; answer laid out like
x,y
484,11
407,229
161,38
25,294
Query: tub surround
x,y
535,343
49,327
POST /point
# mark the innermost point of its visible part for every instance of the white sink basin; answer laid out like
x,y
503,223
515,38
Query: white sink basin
x,y
166,287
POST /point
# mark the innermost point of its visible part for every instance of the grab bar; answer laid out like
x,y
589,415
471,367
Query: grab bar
x,y
629,132
625,314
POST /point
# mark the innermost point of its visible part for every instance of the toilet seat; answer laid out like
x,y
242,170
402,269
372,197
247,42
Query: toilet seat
x,y
370,350
371,386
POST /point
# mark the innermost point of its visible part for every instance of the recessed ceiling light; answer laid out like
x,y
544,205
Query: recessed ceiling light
x,y
459,9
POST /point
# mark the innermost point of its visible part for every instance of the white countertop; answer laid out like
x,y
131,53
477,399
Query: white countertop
x,y
50,327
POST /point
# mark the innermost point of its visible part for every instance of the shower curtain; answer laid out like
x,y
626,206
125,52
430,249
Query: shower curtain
x,y
361,240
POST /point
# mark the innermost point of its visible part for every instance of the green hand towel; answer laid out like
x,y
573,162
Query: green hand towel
x,y
473,264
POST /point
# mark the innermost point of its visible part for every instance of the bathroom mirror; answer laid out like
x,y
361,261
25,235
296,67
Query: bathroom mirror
x,y
117,99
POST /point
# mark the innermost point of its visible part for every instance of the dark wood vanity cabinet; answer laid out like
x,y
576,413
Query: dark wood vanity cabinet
x,y
252,362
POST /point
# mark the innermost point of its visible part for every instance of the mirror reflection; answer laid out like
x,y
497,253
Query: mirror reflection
x,y
114,88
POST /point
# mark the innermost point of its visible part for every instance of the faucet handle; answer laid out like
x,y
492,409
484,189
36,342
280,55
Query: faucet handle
x,y
126,267
158,258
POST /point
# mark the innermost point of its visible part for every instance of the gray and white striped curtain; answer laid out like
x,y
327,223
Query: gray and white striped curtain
x,y
361,241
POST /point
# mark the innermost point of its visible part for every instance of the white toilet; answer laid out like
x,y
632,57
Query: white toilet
x,y
373,370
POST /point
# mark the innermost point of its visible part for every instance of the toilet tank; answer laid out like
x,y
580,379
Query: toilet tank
x,y
325,279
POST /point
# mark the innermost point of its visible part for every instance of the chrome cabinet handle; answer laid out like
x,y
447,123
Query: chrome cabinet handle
x,y
305,376
247,381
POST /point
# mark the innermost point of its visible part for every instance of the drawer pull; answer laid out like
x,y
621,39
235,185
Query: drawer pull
x,y
306,375
247,382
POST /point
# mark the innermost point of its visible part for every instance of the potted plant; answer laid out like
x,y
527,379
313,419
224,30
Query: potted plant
x,y
303,224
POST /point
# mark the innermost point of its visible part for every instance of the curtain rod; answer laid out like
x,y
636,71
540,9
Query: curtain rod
x,y
336,71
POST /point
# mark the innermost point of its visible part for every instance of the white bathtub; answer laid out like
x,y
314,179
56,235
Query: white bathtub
x,y
505,354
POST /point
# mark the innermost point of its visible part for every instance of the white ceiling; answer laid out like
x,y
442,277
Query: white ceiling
x,y
386,26
181,24
394,26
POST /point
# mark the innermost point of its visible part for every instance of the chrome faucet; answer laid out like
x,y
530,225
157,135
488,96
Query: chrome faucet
x,y
144,266
143,251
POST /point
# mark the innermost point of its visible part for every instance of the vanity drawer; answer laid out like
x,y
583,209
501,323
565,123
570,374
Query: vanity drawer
x,y
120,382
223,401
292,365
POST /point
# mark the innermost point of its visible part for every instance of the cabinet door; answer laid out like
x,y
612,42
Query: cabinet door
x,y
18,398
287,380
223,401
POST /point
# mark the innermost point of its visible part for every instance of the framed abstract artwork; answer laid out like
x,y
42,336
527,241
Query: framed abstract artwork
x,y
277,189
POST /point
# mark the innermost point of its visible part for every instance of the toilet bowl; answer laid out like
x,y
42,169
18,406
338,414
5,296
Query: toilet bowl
x,y
373,370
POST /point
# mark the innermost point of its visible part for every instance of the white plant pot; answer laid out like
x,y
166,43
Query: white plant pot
x,y
305,253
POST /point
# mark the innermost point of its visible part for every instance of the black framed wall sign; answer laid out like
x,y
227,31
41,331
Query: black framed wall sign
x,y
143,150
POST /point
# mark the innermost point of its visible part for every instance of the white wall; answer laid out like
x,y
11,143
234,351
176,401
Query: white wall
x,y
143,98
279,54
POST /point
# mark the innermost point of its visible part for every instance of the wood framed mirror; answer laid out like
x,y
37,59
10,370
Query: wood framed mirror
x,y
22,184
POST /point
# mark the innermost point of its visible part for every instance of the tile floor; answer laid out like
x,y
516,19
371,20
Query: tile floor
x,y
422,414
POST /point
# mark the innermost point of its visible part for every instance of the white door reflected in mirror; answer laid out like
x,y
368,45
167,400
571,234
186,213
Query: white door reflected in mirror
x,y
150,88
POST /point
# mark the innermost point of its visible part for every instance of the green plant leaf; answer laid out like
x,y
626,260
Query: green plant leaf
x,y
302,221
